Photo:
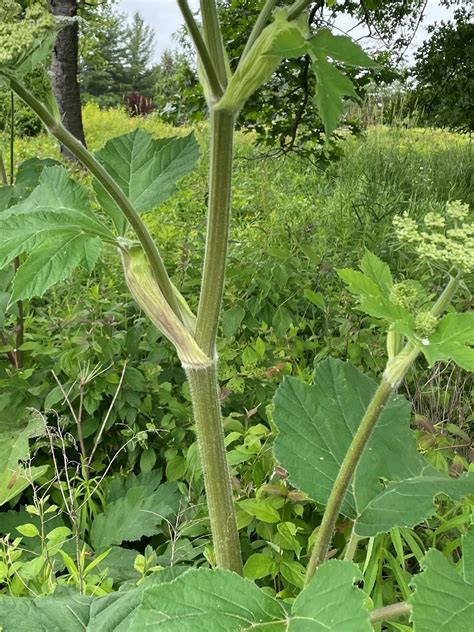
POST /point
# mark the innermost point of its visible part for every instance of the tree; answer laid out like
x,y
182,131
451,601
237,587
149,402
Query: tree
x,y
64,68
443,72
282,113
140,42
102,75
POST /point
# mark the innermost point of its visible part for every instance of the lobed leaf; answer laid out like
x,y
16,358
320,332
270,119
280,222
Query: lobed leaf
x,y
316,424
452,340
146,169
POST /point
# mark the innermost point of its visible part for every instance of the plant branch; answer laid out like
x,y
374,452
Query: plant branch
x,y
201,49
213,38
210,439
84,156
220,180
260,24
388,613
394,373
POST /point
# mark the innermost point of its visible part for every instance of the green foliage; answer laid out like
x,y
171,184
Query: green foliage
x,y
444,83
138,511
442,599
316,424
146,170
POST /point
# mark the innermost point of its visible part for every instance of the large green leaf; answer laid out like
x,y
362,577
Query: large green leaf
x,y
393,484
219,600
199,600
55,226
27,179
145,168
58,613
341,48
138,513
15,480
443,601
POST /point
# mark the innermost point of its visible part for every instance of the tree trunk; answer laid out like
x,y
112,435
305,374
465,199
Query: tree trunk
x,y
64,68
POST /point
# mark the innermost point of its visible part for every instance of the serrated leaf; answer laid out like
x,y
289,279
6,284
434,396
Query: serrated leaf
x,y
54,262
341,48
452,340
220,600
55,614
135,515
377,270
56,226
316,424
145,168
332,85
442,600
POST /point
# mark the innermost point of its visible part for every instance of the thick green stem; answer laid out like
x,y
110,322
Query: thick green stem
x,y
388,613
210,438
394,373
220,180
213,38
3,172
57,130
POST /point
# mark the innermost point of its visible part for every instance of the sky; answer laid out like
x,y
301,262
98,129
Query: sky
x,y
165,18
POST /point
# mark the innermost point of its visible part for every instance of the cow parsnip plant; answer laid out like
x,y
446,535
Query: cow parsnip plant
x,y
345,441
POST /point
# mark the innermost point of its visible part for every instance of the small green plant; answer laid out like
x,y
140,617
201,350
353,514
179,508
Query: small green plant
x,y
344,441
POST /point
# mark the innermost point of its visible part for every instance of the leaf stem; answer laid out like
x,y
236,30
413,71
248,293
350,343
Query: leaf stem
x,y
260,24
394,373
213,38
84,156
210,439
201,49
388,613
3,173
351,546
220,180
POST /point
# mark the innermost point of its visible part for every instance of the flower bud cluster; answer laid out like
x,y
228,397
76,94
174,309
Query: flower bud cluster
x,y
404,294
448,238
19,34
425,324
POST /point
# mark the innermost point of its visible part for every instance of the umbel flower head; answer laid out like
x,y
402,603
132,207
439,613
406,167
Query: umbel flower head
x,y
21,32
446,238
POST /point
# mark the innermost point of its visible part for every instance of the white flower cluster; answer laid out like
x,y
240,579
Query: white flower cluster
x,y
448,238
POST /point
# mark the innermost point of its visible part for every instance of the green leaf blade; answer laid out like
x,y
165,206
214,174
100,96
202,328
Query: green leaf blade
x,y
145,168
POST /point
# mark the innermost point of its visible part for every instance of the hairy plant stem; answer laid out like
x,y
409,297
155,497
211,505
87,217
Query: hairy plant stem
x,y
57,130
394,373
388,613
218,222
210,438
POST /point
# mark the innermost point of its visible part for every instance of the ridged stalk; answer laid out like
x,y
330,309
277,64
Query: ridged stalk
x,y
210,438
218,222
